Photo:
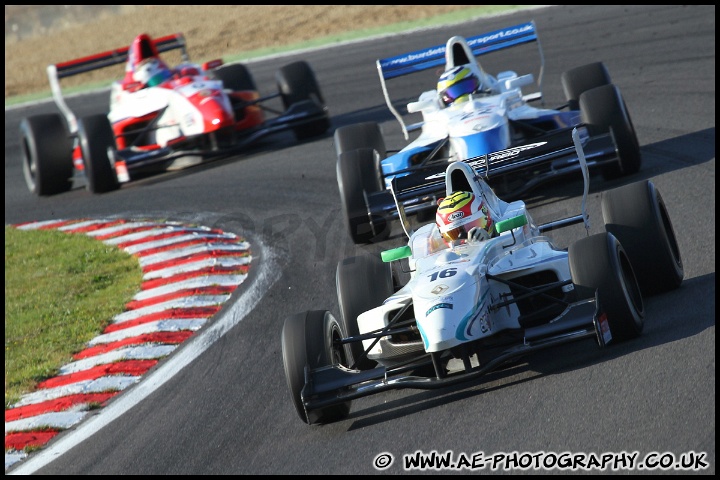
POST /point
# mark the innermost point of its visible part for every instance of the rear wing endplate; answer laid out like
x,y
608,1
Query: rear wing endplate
x,y
420,60
101,60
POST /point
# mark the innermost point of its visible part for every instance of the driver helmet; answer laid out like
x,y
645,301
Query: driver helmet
x,y
459,213
455,85
151,72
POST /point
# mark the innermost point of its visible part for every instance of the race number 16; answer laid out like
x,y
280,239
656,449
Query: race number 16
x,y
448,272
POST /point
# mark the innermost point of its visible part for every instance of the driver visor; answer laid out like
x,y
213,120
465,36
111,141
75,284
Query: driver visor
x,y
457,90
457,233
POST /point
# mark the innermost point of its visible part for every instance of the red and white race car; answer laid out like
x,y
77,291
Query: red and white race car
x,y
162,118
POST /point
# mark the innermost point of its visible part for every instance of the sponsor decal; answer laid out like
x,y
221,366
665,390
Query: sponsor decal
x,y
439,289
495,157
509,33
454,216
413,57
483,111
605,328
439,305
483,321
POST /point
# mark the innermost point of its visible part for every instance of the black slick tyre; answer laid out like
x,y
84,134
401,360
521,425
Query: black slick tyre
x,y
359,135
96,137
297,83
357,178
599,263
312,339
604,110
235,77
636,214
362,282
581,79
47,154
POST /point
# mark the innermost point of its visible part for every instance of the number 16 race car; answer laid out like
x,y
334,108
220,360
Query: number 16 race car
x,y
485,120
162,118
480,297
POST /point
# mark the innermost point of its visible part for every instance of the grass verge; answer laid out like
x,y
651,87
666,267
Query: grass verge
x,y
61,290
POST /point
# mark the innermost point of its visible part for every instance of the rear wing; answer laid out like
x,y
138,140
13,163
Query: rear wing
x,y
420,60
405,187
101,60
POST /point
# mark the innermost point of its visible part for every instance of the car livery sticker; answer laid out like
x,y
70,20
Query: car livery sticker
x,y
438,305
478,313
494,158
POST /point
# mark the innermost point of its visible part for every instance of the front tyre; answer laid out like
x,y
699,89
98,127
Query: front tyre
x,y
581,79
47,154
312,339
297,83
604,110
362,283
357,177
637,216
599,263
359,135
235,77
96,137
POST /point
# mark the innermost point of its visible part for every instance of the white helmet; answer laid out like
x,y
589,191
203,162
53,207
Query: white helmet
x,y
151,72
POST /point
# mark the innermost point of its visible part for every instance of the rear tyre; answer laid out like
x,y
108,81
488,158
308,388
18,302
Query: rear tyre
x,y
637,216
47,154
604,110
235,77
599,262
312,339
363,283
96,137
360,135
357,177
581,79
297,83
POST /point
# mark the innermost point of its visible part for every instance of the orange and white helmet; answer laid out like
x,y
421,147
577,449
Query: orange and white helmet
x,y
459,213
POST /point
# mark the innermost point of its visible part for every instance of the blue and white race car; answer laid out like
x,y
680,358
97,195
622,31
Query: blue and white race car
x,y
484,120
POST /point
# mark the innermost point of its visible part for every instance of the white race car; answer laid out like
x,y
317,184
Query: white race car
x,y
472,305
485,120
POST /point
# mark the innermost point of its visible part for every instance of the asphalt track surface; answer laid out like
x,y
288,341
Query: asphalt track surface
x,y
228,411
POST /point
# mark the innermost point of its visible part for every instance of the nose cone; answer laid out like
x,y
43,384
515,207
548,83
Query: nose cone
x,y
444,302
442,321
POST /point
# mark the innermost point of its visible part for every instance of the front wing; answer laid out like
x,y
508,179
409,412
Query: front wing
x,y
335,384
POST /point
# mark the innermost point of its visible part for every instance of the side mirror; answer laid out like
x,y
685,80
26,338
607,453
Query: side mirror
x,y
420,105
396,254
510,223
518,82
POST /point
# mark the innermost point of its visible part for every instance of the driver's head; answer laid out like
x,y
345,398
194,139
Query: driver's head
x,y
460,212
151,72
455,85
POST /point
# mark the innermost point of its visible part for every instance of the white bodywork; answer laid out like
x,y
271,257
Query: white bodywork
x,y
448,289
